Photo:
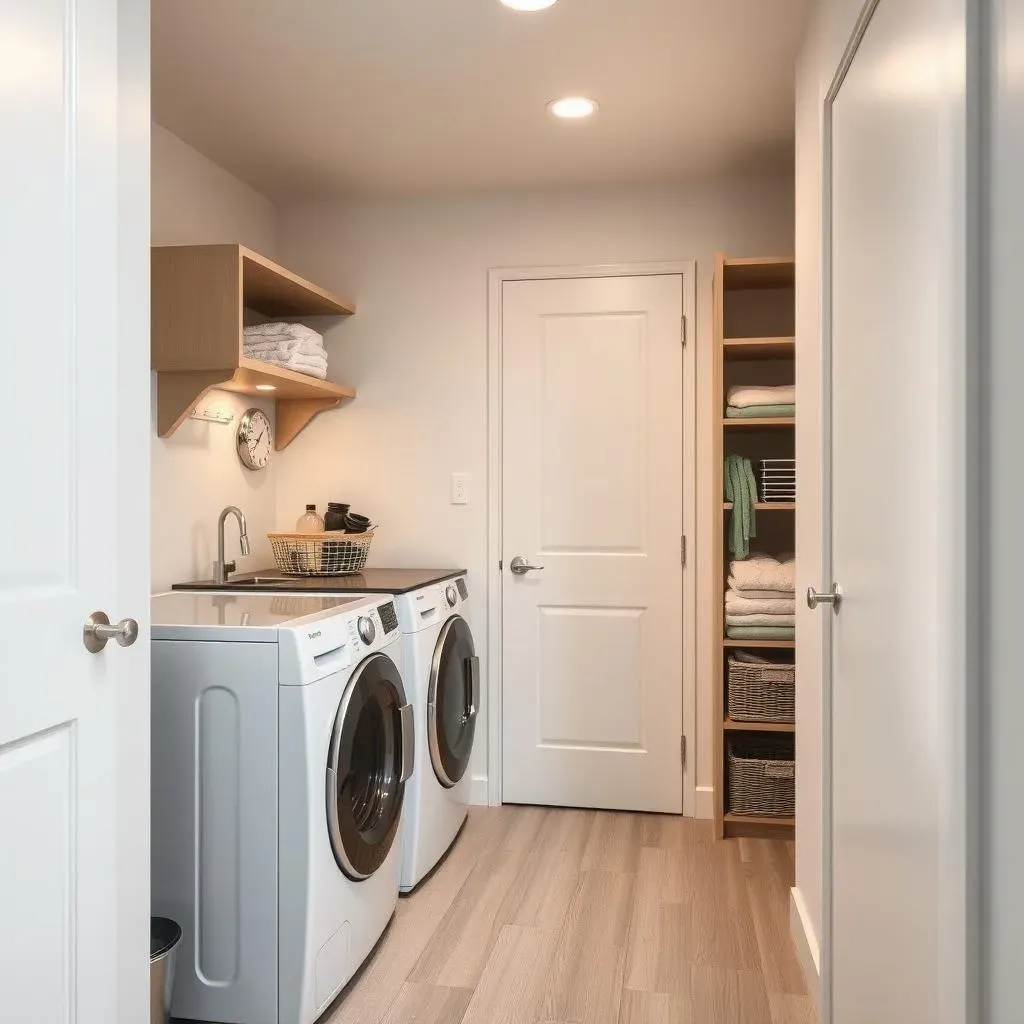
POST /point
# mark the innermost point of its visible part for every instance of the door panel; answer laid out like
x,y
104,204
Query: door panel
x,y
585,654
592,492
895,286
74,726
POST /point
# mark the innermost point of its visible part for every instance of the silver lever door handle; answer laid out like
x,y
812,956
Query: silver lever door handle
x,y
834,597
98,630
520,566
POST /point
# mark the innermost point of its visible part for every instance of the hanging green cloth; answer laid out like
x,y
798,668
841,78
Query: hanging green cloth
x,y
741,490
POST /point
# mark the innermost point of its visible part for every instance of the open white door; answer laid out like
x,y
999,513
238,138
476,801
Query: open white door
x,y
592,494
898,288
74,520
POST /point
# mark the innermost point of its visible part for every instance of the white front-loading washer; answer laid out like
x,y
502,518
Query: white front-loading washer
x,y
282,744
443,684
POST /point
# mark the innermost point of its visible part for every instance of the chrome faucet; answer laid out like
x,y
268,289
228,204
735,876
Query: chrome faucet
x,y
220,567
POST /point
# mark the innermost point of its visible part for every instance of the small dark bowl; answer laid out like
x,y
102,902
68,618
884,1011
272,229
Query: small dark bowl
x,y
355,523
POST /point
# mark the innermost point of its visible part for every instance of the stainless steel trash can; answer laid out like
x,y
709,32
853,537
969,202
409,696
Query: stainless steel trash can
x,y
164,937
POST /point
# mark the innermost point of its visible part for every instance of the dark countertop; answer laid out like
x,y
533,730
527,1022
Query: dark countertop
x,y
369,581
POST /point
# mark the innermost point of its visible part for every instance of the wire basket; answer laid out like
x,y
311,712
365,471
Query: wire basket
x,y
762,691
333,553
762,777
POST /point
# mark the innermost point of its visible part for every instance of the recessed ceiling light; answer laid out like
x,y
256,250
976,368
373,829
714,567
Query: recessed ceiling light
x,y
266,387
573,107
528,5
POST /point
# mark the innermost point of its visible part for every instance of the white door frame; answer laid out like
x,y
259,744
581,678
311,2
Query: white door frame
x,y
959,898
496,278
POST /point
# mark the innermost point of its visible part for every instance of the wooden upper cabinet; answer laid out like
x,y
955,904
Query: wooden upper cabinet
x,y
199,297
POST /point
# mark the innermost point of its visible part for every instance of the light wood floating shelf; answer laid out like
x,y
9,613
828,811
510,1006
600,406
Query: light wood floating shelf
x,y
758,348
767,506
782,645
759,272
730,726
199,295
761,422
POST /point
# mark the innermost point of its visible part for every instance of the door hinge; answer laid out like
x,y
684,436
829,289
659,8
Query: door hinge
x,y
682,550
500,565
682,330
682,750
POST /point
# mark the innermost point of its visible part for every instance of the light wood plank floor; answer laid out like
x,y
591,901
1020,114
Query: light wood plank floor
x,y
589,917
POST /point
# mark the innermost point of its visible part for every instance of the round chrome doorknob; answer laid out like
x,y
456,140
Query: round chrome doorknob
x,y
834,597
98,630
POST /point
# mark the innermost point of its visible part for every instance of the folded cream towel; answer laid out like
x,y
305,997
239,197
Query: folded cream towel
x,y
278,329
284,347
762,572
760,620
737,604
740,395
763,595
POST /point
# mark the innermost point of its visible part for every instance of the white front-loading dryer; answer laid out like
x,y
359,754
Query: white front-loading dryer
x,y
282,746
443,685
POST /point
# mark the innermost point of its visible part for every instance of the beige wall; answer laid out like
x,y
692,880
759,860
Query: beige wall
x,y
417,350
195,472
826,40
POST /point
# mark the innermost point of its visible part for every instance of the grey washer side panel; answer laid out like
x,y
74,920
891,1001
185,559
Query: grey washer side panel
x,y
214,823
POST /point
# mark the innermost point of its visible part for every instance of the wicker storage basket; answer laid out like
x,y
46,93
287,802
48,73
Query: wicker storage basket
x,y
762,777
334,553
762,692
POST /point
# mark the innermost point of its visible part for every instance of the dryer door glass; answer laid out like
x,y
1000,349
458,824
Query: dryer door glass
x,y
368,751
453,697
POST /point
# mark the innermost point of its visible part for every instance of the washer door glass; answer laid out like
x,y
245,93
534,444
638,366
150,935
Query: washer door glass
x,y
453,697
370,758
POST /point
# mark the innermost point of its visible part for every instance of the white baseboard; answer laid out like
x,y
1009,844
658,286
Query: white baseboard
x,y
478,796
806,942
705,803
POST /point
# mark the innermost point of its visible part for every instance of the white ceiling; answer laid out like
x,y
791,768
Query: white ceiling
x,y
335,97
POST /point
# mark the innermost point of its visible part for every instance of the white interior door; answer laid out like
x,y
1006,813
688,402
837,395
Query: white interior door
x,y
897,536
592,493
74,726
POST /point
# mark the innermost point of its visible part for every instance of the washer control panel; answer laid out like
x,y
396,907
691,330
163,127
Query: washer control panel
x,y
388,617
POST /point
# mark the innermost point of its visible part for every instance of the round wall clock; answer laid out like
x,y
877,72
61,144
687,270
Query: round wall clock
x,y
255,441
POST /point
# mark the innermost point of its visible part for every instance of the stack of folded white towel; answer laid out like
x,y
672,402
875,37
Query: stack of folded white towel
x,y
761,600
293,346
760,402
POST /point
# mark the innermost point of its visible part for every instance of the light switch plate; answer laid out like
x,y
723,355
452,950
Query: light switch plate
x,y
460,488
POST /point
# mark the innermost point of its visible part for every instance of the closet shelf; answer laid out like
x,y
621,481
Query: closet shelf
x,y
758,272
748,824
199,297
730,726
736,349
767,506
760,423
785,645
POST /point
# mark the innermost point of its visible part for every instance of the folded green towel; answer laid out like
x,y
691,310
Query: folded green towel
x,y
741,490
760,633
751,412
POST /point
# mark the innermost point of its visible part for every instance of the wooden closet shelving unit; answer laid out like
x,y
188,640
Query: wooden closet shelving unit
x,y
754,316
199,297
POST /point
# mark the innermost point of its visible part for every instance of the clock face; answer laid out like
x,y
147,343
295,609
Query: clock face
x,y
255,442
